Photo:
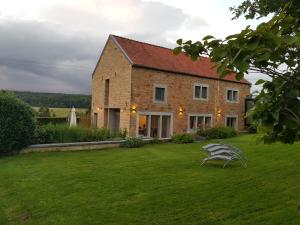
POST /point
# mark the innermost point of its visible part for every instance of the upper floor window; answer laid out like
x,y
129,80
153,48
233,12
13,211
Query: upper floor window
x,y
232,95
200,92
160,92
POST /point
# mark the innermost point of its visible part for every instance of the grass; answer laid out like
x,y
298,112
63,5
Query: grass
x,y
157,184
63,112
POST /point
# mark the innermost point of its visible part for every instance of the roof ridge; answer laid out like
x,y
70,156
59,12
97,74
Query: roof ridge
x,y
142,42
130,39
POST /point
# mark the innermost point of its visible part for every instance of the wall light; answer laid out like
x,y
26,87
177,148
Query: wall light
x,y
219,113
133,109
180,111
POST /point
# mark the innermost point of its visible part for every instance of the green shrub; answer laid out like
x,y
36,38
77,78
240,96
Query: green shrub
x,y
218,133
63,133
133,143
155,141
17,122
182,138
252,129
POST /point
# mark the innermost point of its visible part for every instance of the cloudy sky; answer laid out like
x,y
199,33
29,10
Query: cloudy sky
x,y
53,45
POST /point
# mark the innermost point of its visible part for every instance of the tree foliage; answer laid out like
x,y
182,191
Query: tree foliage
x,y
54,100
271,49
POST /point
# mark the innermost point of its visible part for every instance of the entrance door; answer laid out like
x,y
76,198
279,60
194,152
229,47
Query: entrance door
x,y
112,119
155,126
165,126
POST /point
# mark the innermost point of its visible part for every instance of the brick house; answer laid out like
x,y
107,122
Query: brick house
x,y
149,91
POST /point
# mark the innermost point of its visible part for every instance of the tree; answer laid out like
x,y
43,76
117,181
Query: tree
x,y
271,49
44,112
17,123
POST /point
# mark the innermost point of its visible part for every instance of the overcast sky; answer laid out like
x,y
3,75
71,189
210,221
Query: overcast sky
x,y
53,45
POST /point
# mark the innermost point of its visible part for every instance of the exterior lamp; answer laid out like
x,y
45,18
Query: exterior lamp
x,y
98,109
219,113
180,111
133,109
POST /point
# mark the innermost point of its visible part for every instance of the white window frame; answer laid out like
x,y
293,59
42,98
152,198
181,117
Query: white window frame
x,y
238,95
232,116
154,93
150,113
198,115
194,91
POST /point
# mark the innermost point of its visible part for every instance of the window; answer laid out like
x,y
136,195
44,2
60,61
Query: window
x,y
95,120
200,92
199,121
231,121
154,124
232,95
106,92
159,94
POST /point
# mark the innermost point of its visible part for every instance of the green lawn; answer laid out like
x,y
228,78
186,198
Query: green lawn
x,y
156,184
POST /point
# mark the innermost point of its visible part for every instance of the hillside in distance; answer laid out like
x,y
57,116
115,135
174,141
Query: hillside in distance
x,y
54,100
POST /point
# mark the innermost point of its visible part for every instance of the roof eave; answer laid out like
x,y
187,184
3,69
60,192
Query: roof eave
x,y
188,74
111,37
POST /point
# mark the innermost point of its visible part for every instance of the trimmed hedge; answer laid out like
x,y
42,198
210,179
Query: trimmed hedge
x,y
17,122
63,133
218,133
53,120
182,138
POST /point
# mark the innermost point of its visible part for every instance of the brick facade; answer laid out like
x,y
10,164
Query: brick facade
x,y
114,66
134,86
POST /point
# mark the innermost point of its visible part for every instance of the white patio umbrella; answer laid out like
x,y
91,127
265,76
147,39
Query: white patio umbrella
x,y
73,120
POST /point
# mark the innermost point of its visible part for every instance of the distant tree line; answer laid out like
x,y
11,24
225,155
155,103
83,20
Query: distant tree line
x,y
54,100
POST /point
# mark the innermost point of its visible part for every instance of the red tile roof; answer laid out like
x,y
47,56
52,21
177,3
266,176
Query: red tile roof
x,y
160,58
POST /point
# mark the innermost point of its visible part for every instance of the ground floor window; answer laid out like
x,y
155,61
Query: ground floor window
x,y
199,121
231,121
154,124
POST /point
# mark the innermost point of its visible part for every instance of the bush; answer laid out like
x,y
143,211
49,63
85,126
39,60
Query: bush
x,y
182,138
63,133
218,133
155,141
133,143
252,129
17,123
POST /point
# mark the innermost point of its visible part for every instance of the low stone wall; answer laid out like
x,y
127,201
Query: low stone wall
x,y
76,146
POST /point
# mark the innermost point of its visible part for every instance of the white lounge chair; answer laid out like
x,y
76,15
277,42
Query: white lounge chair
x,y
224,152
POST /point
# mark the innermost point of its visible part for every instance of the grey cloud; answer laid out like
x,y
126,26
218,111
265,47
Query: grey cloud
x,y
59,54
43,57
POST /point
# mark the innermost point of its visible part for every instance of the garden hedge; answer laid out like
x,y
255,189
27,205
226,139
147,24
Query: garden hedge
x,y
17,123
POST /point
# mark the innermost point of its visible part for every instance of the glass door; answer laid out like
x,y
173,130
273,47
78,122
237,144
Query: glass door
x,y
166,126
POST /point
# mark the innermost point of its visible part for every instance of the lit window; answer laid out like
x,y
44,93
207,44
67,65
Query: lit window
x,y
200,92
